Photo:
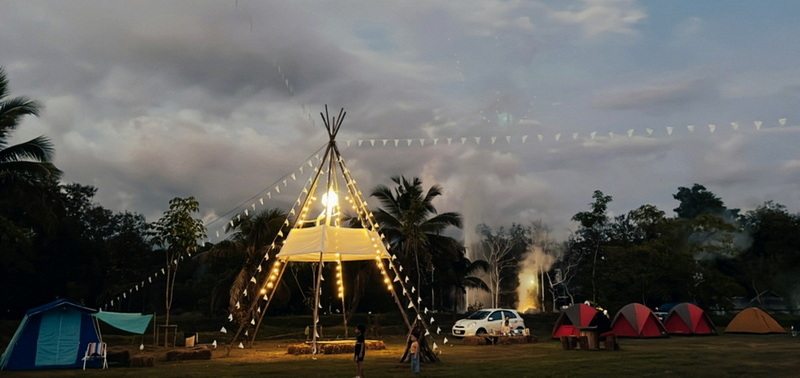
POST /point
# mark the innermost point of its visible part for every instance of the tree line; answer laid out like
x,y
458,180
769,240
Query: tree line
x,y
56,242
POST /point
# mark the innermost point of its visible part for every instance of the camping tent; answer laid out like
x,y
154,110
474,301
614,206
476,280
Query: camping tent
x,y
55,335
579,315
51,336
753,320
636,320
318,235
688,319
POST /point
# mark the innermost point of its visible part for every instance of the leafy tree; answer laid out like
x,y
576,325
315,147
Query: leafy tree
x,y
177,232
772,260
698,200
593,233
412,226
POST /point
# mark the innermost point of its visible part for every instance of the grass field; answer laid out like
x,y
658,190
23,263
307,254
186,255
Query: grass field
x,y
725,355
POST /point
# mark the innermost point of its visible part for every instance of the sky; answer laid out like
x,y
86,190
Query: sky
x,y
518,109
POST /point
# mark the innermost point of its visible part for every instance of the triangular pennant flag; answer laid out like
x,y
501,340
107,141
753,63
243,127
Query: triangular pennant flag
x,y
611,134
223,330
435,346
162,271
237,305
524,137
508,139
410,304
426,310
540,137
477,140
782,121
396,279
261,200
406,280
419,299
247,333
396,141
445,340
463,140
258,310
401,269
253,279
438,330
649,131
449,140
230,317
259,270
246,212
245,292
413,289
758,125
669,130
712,127
592,135
265,297
405,292
241,346
384,142
359,142
558,136
427,333
419,317
574,136
630,133
493,139
432,320
690,128
408,141
253,321
214,344
735,125
435,141
422,142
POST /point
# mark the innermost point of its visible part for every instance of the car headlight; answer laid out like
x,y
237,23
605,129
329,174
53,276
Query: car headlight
x,y
471,324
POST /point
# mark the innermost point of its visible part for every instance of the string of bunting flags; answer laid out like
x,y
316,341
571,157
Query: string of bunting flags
x,y
526,138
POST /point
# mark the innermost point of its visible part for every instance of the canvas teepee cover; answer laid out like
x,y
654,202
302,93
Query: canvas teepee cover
x,y
318,236
636,320
753,320
688,319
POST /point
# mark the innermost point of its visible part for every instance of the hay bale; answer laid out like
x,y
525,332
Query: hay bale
x,y
196,353
141,361
334,348
118,356
474,340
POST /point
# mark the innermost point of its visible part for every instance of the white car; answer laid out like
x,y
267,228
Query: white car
x,y
488,321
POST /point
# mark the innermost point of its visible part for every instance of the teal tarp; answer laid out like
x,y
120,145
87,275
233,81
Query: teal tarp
x,y
134,323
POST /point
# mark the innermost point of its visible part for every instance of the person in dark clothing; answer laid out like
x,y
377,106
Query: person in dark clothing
x,y
360,350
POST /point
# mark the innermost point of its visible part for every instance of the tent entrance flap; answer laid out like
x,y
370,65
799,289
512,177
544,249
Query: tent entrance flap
x,y
59,338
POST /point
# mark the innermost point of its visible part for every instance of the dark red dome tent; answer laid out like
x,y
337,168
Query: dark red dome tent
x,y
689,319
576,316
636,320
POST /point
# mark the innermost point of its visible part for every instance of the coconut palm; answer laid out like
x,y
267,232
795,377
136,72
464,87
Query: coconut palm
x,y
412,225
27,161
251,237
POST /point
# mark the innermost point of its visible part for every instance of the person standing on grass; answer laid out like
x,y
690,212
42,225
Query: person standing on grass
x,y
414,353
360,350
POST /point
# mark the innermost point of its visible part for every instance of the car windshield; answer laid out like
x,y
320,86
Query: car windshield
x,y
478,315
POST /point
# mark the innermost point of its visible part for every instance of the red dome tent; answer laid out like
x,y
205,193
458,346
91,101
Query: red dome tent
x,y
579,315
688,319
636,320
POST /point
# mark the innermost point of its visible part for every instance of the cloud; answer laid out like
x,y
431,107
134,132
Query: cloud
x,y
601,17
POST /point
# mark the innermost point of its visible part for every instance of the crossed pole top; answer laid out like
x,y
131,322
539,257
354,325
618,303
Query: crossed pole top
x,y
332,127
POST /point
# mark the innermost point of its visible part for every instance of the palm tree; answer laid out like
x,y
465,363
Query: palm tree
x,y
411,223
252,237
25,162
27,174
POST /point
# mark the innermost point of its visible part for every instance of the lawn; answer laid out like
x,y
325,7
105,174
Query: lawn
x,y
713,356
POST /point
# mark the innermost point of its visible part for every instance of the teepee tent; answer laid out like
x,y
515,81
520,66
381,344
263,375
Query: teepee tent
x,y
636,320
577,316
317,235
753,320
688,319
